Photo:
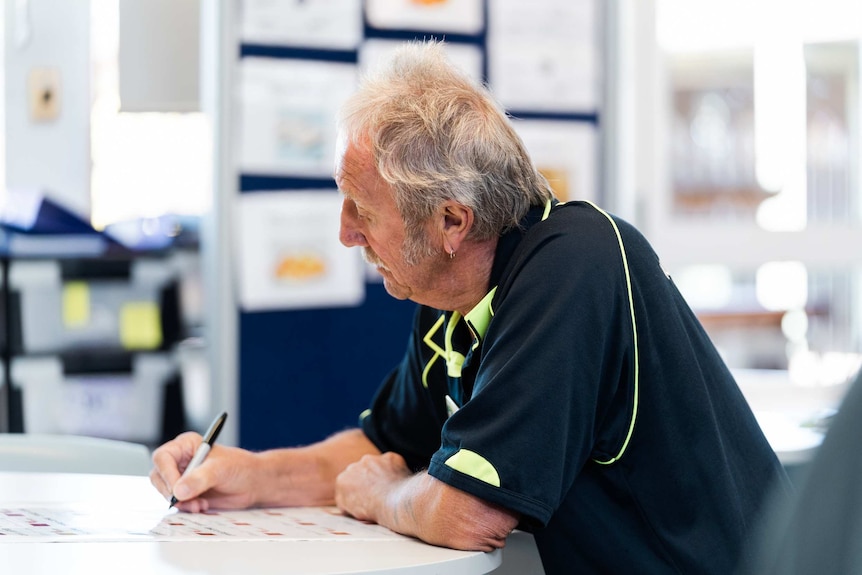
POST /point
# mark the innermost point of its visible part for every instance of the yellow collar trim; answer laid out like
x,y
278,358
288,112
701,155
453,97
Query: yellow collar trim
x,y
454,359
480,316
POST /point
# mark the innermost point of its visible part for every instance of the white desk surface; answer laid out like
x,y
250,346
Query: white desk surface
x,y
390,557
790,415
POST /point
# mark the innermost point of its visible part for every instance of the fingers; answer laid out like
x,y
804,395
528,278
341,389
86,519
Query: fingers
x,y
201,480
170,459
224,480
159,483
364,485
196,505
395,460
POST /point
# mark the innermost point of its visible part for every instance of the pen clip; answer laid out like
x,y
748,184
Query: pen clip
x,y
215,428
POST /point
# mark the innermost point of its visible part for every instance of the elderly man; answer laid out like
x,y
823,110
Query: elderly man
x,y
554,379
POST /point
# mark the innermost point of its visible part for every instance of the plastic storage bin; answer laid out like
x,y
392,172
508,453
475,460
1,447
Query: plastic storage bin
x,y
106,313
119,405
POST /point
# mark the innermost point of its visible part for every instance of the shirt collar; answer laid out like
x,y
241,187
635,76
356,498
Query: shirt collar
x,y
509,241
480,316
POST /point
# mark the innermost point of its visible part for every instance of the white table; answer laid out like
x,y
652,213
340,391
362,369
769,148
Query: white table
x,y
390,557
788,413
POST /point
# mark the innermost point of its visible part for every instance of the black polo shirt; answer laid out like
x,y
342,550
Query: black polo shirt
x,y
584,395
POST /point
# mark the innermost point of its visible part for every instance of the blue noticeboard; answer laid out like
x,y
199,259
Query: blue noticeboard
x,y
306,374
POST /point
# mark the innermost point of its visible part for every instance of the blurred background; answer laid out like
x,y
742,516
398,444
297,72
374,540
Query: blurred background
x,y
195,140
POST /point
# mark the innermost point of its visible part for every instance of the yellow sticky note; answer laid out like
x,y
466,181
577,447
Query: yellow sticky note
x,y
76,304
140,325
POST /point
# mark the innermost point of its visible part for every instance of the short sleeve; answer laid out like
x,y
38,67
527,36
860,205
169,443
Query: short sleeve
x,y
553,389
407,412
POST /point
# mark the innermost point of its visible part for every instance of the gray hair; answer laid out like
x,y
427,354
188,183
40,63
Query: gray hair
x,y
437,135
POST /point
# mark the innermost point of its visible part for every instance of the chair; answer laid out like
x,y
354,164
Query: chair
x,y
819,528
72,454
520,556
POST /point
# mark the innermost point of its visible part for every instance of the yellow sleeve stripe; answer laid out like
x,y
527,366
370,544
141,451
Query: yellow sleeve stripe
x,y
634,336
472,464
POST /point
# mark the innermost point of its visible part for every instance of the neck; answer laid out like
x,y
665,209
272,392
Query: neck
x,y
466,276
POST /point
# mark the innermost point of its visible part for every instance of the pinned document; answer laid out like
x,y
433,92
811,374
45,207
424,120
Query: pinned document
x,y
140,325
453,16
289,253
76,304
287,108
327,24
566,153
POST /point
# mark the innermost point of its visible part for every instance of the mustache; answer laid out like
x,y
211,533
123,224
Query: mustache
x,y
372,258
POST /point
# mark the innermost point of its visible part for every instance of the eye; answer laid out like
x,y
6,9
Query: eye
x,y
355,209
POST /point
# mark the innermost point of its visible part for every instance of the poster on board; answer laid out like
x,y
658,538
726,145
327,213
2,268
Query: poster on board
x,y
289,255
566,153
286,115
543,55
329,24
454,16
467,57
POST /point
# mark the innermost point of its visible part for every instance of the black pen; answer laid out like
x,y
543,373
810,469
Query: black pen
x,y
203,449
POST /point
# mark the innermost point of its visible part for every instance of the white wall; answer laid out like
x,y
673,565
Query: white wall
x,y
53,154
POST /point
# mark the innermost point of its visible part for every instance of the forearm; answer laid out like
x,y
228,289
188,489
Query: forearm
x,y
382,489
305,476
431,510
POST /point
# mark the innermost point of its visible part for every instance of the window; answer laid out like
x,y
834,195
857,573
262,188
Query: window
x,y
143,164
759,213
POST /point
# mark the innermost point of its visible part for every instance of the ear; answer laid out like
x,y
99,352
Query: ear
x,y
456,221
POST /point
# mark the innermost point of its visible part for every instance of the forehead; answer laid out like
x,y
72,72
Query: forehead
x,y
357,177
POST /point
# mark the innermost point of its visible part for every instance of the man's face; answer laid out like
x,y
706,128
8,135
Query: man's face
x,y
371,220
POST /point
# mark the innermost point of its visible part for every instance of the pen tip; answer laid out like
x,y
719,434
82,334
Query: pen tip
x,y
173,502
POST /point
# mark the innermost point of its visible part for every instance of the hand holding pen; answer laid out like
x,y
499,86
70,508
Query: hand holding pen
x,y
203,449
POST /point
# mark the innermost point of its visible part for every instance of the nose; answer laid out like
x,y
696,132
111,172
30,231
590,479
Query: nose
x,y
349,233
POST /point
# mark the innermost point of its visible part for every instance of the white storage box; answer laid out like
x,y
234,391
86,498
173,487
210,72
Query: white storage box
x,y
99,313
125,406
